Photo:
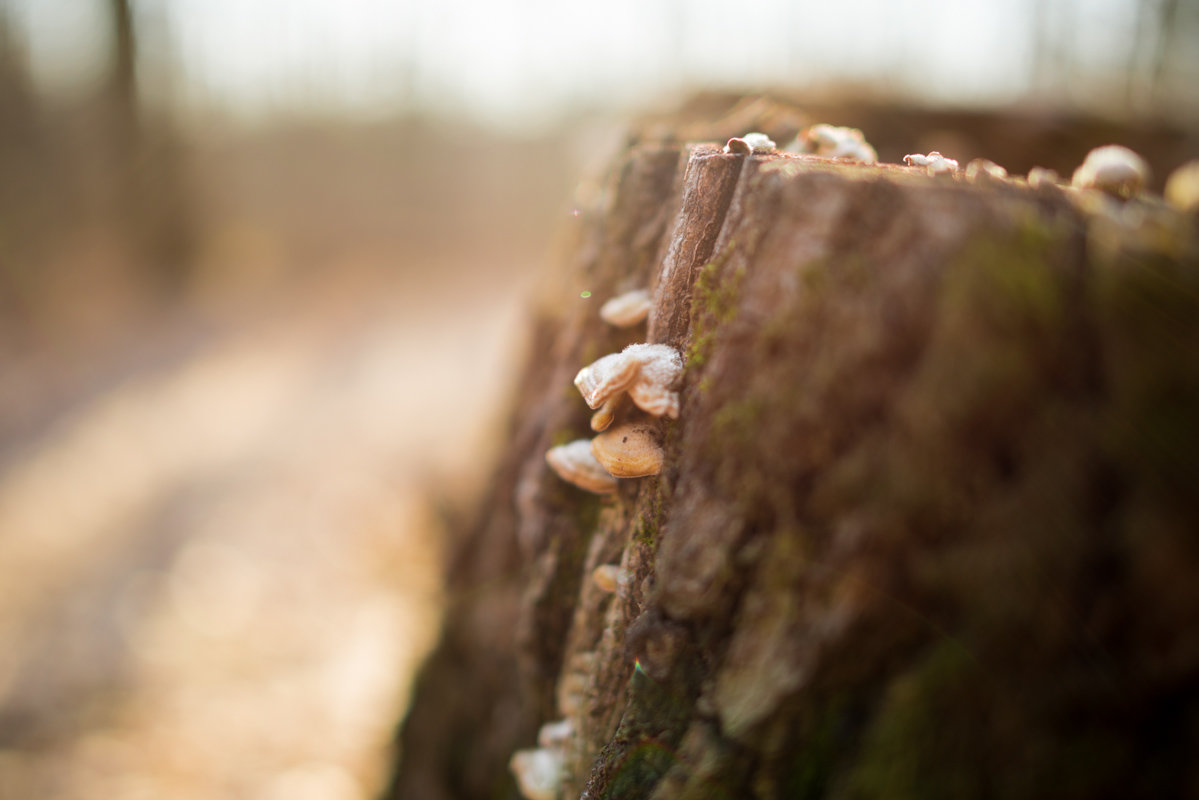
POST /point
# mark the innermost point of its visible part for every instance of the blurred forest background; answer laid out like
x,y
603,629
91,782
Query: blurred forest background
x,y
262,269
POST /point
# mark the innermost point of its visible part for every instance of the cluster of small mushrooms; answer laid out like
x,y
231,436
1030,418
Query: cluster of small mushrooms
x,y
1113,170
539,770
826,141
645,375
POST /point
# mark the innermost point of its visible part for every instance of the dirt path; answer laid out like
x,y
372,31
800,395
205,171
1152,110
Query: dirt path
x,y
218,572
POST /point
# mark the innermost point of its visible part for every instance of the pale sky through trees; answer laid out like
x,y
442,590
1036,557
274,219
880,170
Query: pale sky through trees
x,y
512,62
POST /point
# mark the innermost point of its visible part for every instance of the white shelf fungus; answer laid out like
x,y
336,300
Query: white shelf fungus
x,y
647,372
984,169
555,734
626,310
575,464
760,142
831,141
1182,187
934,162
1113,169
750,143
1043,176
539,772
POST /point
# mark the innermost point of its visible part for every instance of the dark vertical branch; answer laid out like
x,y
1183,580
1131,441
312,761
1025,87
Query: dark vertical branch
x,y
122,76
1144,54
19,144
148,177
13,76
1168,39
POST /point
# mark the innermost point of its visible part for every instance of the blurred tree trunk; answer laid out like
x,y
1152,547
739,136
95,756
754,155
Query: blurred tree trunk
x,y
123,72
18,156
926,524
147,161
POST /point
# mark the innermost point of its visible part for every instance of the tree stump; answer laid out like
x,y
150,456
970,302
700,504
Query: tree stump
x,y
927,522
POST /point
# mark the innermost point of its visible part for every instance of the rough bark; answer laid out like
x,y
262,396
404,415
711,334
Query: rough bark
x,y
927,522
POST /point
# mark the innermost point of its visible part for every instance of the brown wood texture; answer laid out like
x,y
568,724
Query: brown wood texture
x,y
927,522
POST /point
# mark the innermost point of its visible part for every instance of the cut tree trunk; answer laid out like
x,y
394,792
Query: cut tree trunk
x,y
928,524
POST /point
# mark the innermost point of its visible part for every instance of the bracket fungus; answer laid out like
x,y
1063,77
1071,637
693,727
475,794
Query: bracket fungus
x,y
539,771
609,577
1113,169
606,414
575,464
647,372
832,141
574,682
555,734
1043,176
1182,187
628,309
934,162
750,143
632,450
738,147
981,169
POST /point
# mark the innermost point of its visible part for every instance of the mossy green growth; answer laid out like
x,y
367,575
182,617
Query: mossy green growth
x,y
924,743
951,728
649,518
1009,280
587,513
1148,315
644,748
639,771
820,747
645,531
736,423
713,304
1002,335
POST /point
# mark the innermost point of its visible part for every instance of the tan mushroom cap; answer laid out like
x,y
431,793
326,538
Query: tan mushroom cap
x,y
1113,169
648,372
575,464
983,169
934,163
608,577
738,146
628,309
605,377
631,450
1043,176
1182,187
832,141
603,418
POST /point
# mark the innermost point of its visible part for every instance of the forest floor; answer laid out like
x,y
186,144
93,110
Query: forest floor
x,y
218,526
